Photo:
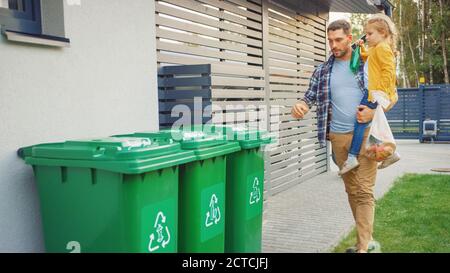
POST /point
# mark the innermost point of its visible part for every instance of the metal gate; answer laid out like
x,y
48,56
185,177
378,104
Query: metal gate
x,y
415,105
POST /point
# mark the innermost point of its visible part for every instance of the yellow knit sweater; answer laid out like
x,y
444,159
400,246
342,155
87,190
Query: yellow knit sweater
x,y
382,75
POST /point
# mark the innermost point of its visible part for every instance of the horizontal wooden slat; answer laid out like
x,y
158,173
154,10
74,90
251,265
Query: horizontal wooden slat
x,y
206,21
288,87
293,124
315,21
302,168
202,51
247,4
287,27
294,59
234,93
237,104
199,29
298,162
237,82
230,7
287,155
296,20
231,117
275,79
274,71
295,37
198,7
196,39
232,70
285,95
284,49
287,110
168,58
291,66
288,117
287,42
292,146
296,131
297,138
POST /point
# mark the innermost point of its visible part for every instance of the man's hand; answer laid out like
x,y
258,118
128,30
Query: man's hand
x,y
364,114
299,110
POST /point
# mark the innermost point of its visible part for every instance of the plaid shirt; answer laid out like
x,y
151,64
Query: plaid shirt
x,y
319,93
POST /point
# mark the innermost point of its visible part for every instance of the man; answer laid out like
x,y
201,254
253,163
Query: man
x,y
337,92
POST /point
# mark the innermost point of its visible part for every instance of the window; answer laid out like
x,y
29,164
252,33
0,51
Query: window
x,y
21,22
21,16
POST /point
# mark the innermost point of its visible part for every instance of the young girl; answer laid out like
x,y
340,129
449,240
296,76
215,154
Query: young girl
x,y
379,76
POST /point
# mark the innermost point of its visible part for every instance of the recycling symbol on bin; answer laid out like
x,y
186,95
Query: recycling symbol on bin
x,y
213,215
255,195
162,231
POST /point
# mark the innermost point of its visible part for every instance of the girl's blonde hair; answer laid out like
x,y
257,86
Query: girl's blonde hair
x,y
383,24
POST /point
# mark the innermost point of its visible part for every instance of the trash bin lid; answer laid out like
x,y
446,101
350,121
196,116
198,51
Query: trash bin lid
x,y
189,140
120,154
110,148
247,138
205,145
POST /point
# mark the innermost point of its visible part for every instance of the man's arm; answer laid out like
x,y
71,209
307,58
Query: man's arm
x,y
300,109
311,94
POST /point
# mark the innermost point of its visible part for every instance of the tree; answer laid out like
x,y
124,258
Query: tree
x,y
443,28
358,20
423,40
402,49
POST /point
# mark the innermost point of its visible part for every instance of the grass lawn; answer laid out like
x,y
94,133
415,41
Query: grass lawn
x,y
414,216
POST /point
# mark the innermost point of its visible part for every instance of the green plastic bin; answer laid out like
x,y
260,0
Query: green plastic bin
x,y
244,189
108,195
202,189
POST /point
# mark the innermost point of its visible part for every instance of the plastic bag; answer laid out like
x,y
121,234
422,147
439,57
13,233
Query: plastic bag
x,y
380,143
355,60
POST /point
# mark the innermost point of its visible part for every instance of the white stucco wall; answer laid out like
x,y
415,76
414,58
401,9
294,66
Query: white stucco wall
x,y
104,84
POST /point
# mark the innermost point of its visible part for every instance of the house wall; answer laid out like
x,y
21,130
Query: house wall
x,y
104,84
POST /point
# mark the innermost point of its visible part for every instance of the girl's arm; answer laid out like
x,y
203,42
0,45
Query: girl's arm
x,y
384,56
364,52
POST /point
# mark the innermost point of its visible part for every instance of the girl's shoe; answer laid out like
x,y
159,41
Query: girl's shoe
x,y
350,164
389,161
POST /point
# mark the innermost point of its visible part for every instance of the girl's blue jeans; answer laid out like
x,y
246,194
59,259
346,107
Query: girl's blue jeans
x,y
358,133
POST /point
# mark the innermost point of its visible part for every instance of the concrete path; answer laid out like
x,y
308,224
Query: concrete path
x,y
314,216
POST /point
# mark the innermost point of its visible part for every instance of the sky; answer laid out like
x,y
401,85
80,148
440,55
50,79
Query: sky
x,y
339,15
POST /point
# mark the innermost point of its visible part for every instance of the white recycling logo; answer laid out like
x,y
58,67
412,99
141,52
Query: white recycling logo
x,y
162,232
74,247
213,215
255,195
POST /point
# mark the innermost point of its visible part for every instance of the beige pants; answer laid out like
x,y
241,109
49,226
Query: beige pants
x,y
359,185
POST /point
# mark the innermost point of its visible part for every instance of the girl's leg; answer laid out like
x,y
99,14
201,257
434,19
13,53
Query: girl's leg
x,y
358,135
360,127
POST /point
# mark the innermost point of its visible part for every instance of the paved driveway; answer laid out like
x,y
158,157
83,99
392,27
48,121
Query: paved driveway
x,y
314,215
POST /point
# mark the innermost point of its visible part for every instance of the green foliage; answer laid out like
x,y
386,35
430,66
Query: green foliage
x,y
358,20
411,33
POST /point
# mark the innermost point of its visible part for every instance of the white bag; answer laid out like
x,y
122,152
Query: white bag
x,y
380,143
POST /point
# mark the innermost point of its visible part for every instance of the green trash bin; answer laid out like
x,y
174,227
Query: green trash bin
x,y
108,195
244,190
202,195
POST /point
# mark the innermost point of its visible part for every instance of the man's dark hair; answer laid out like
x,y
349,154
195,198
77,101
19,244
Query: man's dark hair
x,y
340,24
